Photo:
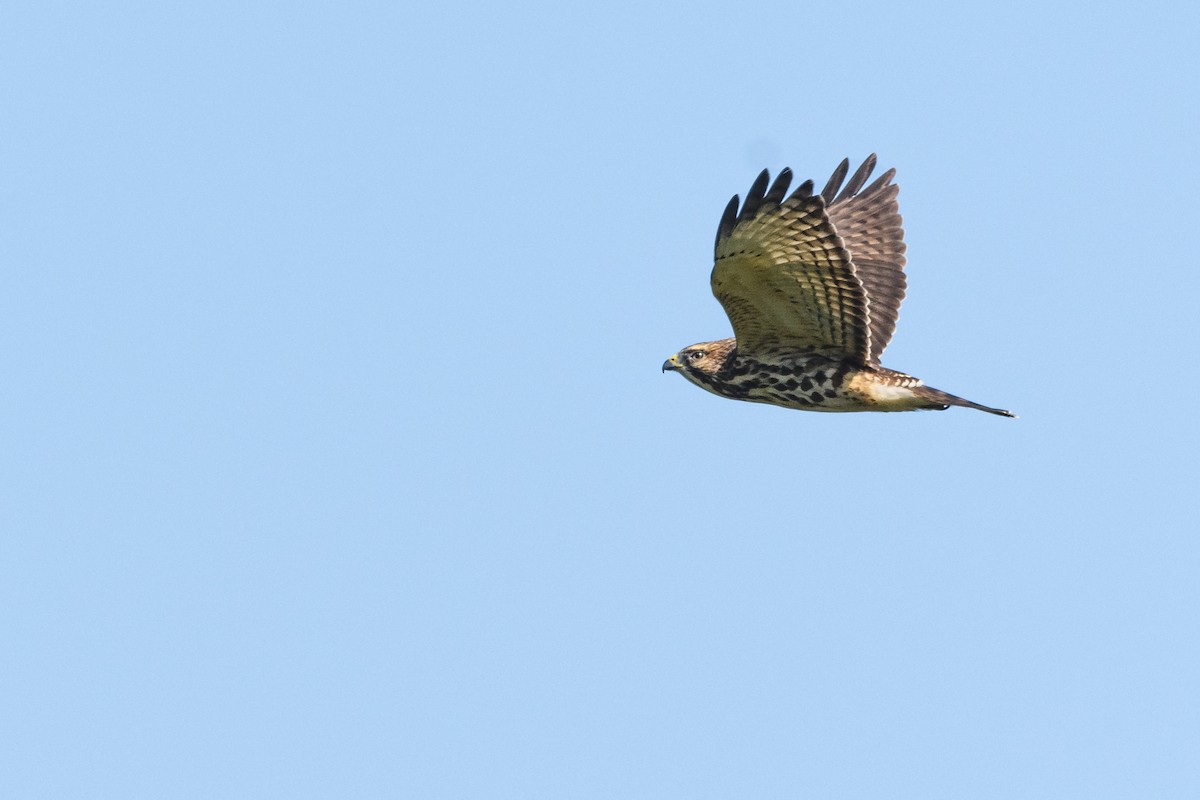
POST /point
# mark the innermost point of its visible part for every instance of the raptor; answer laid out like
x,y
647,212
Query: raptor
x,y
812,284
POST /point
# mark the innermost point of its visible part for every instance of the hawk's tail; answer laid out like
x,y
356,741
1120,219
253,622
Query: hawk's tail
x,y
945,399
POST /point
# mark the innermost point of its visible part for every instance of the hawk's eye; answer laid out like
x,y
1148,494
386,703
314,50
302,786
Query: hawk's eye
x,y
696,355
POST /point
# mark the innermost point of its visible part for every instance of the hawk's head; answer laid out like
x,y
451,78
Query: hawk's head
x,y
700,363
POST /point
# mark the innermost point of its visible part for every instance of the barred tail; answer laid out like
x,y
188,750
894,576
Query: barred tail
x,y
945,399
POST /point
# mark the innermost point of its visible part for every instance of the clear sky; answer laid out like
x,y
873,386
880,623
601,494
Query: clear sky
x,y
337,460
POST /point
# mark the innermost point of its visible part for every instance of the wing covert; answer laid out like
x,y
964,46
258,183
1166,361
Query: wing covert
x,y
784,276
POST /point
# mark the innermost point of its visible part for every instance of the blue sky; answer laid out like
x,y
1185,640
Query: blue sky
x,y
338,461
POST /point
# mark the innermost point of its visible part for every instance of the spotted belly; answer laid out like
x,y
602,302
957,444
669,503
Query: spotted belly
x,y
824,397
820,384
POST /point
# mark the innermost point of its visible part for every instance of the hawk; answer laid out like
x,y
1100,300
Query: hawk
x,y
812,284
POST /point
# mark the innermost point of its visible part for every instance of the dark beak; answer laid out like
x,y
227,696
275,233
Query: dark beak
x,y
671,364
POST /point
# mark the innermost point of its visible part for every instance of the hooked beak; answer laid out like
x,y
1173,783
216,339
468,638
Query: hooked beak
x,y
672,364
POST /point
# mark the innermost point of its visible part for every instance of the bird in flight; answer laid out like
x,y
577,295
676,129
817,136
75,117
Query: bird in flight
x,y
812,284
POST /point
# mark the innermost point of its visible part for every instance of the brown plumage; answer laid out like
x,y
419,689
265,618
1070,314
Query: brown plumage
x,y
812,284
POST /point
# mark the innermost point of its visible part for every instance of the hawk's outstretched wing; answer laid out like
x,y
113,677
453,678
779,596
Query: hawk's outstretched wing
x,y
872,231
786,271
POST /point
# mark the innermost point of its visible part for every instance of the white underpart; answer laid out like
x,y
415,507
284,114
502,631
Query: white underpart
x,y
895,397
885,393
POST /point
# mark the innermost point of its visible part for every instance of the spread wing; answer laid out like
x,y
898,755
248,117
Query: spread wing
x,y
786,274
872,231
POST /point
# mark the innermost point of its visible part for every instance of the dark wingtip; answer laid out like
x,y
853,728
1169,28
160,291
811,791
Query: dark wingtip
x,y
803,190
880,182
728,220
754,197
835,180
778,189
858,179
